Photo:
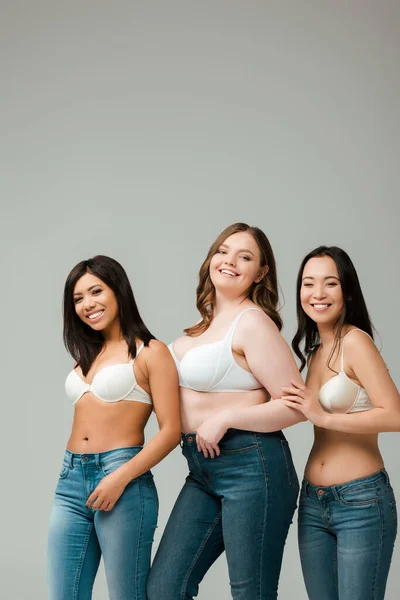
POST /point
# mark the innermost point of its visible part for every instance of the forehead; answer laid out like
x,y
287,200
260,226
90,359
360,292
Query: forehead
x,y
242,240
85,282
321,266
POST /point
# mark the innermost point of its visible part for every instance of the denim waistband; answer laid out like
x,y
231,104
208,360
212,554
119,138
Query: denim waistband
x,y
190,438
320,490
99,458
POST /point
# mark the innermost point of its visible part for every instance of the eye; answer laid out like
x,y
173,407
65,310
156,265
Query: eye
x,y
221,252
332,284
76,300
307,284
245,257
97,291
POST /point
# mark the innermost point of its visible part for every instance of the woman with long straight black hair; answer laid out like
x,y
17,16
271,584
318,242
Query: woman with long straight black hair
x,y
347,513
105,501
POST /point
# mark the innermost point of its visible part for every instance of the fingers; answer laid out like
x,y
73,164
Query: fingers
x,y
96,502
294,405
293,391
209,449
295,399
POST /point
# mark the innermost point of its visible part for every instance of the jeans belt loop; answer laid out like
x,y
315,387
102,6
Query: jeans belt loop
x,y
97,460
71,460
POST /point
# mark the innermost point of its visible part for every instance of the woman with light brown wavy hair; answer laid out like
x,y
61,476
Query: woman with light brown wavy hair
x,y
241,491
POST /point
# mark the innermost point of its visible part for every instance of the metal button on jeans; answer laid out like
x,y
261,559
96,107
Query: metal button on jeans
x,y
190,438
85,458
320,492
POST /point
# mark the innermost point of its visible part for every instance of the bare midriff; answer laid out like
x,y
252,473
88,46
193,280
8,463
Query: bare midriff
x,y
197,407
341,457
99,426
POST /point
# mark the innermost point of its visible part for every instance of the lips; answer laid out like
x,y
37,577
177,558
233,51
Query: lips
x,y
95,315
228,273
321,307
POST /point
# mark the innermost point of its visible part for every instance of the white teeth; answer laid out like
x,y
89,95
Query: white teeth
x,y
226,272
320,306
95,315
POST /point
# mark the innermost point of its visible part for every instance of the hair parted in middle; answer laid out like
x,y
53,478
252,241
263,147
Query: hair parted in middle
x,y
264,294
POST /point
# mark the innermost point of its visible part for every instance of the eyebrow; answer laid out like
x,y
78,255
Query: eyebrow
x,y
325,278
241,250
90,288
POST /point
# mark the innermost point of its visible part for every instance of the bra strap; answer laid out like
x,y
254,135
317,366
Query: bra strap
x,y
140,349
231,330
355,329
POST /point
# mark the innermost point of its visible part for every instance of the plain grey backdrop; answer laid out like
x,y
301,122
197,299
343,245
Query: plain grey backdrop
x,y
140,130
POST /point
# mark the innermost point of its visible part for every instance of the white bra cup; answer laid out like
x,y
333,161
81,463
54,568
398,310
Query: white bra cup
x,y
112,383
213,368
199,365
342,395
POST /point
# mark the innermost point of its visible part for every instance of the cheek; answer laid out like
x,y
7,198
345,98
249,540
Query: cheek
x,y
304,297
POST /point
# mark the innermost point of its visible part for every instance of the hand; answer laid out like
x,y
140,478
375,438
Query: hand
x,y
107,492
302,399
210,432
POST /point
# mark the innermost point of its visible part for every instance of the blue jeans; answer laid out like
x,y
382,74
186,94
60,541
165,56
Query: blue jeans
x,y
78,536
346,538
242,502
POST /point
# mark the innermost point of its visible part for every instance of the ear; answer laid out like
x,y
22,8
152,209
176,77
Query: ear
x,y
262,273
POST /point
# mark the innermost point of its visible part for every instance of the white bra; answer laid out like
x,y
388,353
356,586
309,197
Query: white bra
x,y
342,395
213,368
112,383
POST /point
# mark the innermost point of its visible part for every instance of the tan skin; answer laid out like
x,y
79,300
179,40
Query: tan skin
x,y
345,445
99,426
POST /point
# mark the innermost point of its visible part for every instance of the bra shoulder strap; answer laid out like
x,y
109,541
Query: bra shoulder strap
x,y
231,330
355,329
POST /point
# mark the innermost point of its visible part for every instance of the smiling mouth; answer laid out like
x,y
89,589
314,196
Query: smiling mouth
x,y
321,306
95,315
228,273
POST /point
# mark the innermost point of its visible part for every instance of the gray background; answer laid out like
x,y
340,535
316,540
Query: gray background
x,y
140,130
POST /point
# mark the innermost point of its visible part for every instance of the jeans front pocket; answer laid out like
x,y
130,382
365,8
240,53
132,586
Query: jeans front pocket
x,y
64,472
359,496
291,471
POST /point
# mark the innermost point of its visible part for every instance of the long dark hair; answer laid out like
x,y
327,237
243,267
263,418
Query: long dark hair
x,y
84,343
264,293
354,308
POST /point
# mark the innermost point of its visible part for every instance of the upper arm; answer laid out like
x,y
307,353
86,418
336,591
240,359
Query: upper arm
x,y
164,384
267,353
363,358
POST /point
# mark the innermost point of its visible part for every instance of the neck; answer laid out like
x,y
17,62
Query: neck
x,y
326,334
113,332
224,303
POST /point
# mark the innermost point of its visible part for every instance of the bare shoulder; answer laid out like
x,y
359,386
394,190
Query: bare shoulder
x,y
357,340
253,321
156,350
359,349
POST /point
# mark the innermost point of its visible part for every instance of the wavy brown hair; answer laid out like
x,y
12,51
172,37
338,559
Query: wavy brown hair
x,y
264,293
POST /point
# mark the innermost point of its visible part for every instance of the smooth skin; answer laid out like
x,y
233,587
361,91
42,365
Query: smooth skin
x,y
257,346
346,445
100,426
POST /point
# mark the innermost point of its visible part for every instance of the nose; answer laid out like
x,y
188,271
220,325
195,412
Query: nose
x,y
88,303
319,292
230,259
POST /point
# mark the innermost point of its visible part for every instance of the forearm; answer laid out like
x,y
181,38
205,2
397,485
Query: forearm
x,y
376,420
264,418
153,452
